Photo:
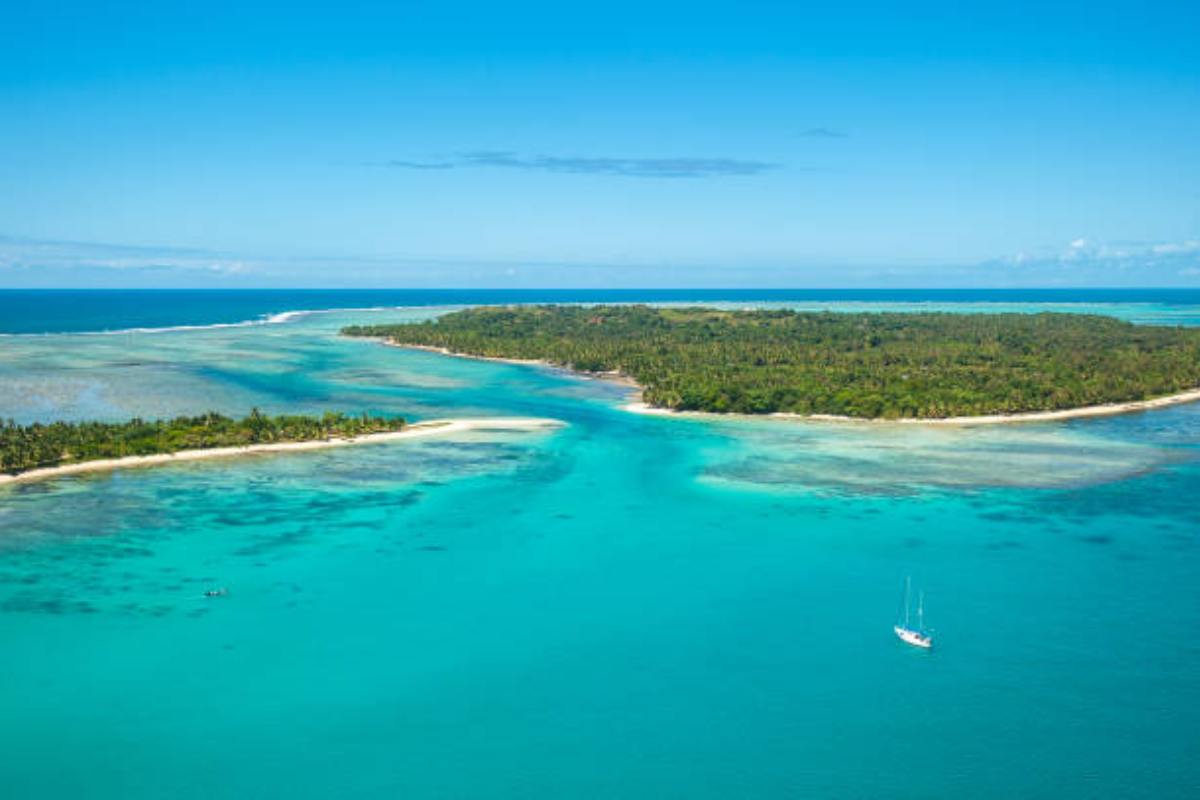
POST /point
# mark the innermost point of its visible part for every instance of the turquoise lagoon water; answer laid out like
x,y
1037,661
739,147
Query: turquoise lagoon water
x,y
627,606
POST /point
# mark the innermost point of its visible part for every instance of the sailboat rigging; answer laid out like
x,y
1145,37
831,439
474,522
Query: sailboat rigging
x,y
918,636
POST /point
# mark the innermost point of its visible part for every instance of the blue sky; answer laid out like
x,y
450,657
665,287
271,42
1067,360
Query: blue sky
x,y
608,144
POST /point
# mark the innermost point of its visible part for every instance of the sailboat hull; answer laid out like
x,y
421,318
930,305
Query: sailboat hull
x,y
912,637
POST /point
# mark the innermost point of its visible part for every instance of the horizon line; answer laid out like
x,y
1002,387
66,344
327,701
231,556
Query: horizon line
x,y
1060,288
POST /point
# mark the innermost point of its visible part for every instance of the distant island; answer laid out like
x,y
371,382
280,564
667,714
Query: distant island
x,y
38,451
922,366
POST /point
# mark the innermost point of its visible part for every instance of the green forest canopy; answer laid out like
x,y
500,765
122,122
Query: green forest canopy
x,y
889,365
26,447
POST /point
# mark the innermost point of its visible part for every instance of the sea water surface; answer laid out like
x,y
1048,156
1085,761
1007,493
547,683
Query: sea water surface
x,y
628,606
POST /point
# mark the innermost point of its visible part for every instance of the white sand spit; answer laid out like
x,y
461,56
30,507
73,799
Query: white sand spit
x,y
439,427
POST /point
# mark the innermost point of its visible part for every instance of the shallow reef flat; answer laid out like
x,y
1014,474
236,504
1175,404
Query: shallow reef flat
x,y
624,595
443,427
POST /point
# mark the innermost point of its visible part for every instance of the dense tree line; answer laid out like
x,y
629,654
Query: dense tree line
x,y
889,365
26,447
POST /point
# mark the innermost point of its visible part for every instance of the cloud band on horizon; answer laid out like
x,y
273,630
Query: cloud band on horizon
x,y
27,262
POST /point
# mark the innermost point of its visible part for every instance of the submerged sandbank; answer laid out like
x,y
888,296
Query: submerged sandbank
x,y
414,431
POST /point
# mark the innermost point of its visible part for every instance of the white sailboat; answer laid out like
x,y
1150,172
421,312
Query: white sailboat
x,y
917,636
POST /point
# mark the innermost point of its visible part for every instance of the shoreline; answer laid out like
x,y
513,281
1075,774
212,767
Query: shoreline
x,y
1083,412
637,406
612,376
414,431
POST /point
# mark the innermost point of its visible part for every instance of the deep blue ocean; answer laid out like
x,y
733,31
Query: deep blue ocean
x,y
624,606
72,311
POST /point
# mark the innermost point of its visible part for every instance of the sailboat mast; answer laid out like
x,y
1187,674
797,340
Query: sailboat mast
x,y
921,611
907,585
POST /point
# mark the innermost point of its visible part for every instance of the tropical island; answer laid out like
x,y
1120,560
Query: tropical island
x,y
39,450
924,366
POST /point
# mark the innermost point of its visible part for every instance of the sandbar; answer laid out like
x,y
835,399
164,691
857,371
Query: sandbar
x,y
436,427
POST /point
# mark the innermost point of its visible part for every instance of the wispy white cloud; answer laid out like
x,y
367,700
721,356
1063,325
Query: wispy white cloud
x,y
824,133
1173,248
1084,261
673,167
27,260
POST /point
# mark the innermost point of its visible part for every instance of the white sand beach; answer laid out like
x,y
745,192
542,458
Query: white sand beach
x,y
442,351
439,427
612,376
1105,410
